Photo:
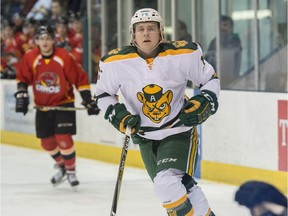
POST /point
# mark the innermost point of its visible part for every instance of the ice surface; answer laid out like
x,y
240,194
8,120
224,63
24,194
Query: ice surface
x,y
26,189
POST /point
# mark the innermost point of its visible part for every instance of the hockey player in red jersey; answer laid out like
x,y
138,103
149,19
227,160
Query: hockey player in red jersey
x,y
53,73
152,74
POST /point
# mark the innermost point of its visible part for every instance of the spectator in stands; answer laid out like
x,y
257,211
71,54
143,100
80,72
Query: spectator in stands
x,y
182,32
18,21
230,52
262,199
56,10
11,7
30,27
63,38
75,6
40,10
75,28
76,36
11,49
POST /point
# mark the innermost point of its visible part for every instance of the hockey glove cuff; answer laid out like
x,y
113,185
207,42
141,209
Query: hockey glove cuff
x,y
22,101
120,118
198,108
89,103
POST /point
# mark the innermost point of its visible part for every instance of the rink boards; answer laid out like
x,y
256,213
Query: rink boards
x,y
246,139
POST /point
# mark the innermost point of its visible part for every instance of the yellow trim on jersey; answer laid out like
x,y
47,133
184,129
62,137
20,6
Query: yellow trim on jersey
x,y
175,52
149,60
47,61
121,57
176,203
191,212
84,87
208,213
59,60
35,62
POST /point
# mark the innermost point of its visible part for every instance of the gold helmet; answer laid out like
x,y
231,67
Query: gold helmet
x,y
146,15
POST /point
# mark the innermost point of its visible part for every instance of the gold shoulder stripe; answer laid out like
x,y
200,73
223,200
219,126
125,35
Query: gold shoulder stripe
x,y
35,62
121,57
175,52
84,87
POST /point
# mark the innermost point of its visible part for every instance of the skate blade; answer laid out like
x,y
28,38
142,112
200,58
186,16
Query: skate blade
x,y
60,182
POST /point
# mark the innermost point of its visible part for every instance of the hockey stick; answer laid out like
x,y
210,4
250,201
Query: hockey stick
x,y
59,108
120,172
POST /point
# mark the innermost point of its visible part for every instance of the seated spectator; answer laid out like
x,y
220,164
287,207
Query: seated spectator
x,y
262,199
11,49
62,33
18,21
40,10
66,39
75,29
56,10
182,32
30,28
76,36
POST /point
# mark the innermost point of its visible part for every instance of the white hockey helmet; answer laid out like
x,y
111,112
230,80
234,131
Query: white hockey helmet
x,y
146,15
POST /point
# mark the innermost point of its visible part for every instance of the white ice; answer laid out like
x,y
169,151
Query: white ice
x,y
26,189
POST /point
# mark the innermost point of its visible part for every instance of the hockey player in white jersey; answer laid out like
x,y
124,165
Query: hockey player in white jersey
x,y
152,74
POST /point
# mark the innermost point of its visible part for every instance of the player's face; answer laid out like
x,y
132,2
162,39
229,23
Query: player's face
x,y
147,36
46,44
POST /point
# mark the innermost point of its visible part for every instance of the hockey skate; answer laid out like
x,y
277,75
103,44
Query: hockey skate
x,y
60,176
72,179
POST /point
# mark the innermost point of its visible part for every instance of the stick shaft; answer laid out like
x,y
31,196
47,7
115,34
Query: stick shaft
x,y
59,108
120,175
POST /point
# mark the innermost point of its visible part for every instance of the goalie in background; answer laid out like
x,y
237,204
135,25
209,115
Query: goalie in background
x,y
262,199
53,74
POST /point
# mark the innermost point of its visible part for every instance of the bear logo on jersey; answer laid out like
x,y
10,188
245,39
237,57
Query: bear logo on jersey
x,y
156,105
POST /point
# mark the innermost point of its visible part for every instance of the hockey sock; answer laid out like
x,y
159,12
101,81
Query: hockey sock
x,y
170,189
51,146
181,207
66,145
199,201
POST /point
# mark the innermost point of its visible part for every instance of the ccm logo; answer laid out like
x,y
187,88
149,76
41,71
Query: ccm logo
x,y
166,160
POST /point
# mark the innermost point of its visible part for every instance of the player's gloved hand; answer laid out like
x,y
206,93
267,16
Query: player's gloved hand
x,y
120,118
22,101
92,107
198,108
89,103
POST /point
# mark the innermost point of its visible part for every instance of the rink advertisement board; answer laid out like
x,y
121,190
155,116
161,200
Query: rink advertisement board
x,y
282,134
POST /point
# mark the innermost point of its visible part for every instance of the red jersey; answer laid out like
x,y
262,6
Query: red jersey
x,y
52,79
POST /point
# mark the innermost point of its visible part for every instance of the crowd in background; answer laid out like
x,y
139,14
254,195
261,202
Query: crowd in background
x,y
20,20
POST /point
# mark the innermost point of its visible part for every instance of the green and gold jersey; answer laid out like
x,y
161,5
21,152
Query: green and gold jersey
x,y
154,88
